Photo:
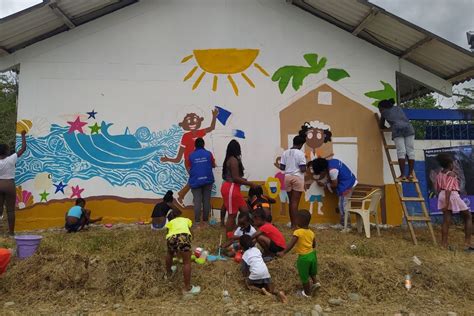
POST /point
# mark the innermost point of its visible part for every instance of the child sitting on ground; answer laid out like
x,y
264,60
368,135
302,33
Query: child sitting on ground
x,y
77,217
161,211
255,270
178,241
258,199
305,244
449,200
244,228
268,236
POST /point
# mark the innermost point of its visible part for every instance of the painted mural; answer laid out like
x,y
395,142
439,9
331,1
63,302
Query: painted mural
x,y
388,92
297,74
226,62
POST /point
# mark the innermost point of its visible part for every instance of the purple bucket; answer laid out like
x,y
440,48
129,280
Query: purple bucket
x,y
26,245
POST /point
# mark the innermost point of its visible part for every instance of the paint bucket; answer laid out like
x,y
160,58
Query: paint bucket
x,y
223,115
26,245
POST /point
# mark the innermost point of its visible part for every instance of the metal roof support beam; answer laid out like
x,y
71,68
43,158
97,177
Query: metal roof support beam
x,y
4,51
415,46
60,14
365,21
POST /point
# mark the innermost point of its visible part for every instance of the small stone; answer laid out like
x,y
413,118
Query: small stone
x,y
354,296
117,306
411,314
318,308
297,314
226,300
436,301
328,309
315,313
8,304
397,314
452,314
335,301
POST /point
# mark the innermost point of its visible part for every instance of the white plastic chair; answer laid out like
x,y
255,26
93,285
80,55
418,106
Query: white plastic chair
x,y
370,206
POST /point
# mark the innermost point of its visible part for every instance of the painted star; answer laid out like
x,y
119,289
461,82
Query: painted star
x,y
44,196
76,192
60,187
92,114
77,125
94,128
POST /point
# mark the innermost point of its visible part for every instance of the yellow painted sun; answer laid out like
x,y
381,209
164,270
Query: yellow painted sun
x,y
227,61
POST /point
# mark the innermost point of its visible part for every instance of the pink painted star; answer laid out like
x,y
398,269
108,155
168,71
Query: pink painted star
x,y
76,192
77,125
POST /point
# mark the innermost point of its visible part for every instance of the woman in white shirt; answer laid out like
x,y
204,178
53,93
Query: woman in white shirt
x,y
7,181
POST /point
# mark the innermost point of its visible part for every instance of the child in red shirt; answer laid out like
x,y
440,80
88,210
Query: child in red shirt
x,y
267,236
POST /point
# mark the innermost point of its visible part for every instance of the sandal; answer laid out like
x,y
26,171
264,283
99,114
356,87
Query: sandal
x,y
411,178
401,179
194,290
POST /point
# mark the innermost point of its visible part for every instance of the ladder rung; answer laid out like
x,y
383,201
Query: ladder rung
x,y
418,218
407,181
394,163
390,147
412,199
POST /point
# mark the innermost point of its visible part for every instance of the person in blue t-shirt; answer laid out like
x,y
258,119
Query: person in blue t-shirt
x,y
77,217
201,179
342,180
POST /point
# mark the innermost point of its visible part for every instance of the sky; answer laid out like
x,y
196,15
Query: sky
x,y
450,19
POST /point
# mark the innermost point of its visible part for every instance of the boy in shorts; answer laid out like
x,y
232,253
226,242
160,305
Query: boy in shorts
x,y
304,243
255,270
178,241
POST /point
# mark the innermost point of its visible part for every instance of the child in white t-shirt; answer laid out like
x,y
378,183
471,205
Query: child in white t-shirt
x,y
244,228
255,270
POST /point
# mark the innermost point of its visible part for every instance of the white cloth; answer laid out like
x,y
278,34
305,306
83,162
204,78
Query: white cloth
x,y
258,269
293,159
238,232
7,167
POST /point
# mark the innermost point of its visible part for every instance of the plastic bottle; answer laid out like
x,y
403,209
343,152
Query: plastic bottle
x,y
408,282
204,255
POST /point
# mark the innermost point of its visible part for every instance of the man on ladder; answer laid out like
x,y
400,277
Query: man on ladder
x,y
403,135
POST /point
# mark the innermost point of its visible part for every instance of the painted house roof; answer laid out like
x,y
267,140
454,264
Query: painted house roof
x,y
360,17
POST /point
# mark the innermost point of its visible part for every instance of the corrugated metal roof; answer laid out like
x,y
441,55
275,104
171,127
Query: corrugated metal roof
x,y
397,36
49,18
359,17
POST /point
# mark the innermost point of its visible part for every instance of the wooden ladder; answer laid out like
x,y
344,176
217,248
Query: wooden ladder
x,y
425,217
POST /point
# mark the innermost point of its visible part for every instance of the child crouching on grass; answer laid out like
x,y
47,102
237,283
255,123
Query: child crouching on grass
x,y
267,236
78,216
304,243
255,270
178,240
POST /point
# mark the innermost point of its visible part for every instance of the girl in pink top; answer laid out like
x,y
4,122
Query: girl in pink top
x,y
449,200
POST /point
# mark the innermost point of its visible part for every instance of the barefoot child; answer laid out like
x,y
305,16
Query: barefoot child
x,y
304,243
178,240
245,228
161,210
77,217
268,236
255,270
449,201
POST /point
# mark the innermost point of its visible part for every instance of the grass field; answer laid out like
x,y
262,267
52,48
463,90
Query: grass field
x,y
121,271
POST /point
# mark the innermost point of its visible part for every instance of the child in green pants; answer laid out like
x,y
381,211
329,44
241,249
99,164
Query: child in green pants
x,y
304,243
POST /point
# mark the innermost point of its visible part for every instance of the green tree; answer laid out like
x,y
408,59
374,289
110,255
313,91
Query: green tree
x,y
8,97
425,102
466,99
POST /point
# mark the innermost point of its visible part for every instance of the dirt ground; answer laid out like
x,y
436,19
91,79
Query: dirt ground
x,y
120,270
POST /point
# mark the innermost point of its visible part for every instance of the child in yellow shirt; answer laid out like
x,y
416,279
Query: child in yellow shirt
x,y
178,241
304,243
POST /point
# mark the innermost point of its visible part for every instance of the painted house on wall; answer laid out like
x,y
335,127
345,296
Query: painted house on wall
x,y
113,93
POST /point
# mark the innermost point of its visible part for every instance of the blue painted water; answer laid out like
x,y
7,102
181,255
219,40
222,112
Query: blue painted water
x,y
121,160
